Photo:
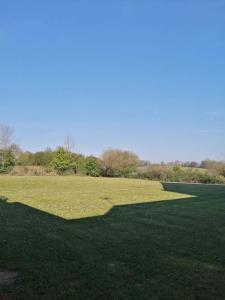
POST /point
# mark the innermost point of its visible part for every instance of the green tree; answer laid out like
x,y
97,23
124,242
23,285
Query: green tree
x,y
92,166
42,158
7,160
25,158
79,163
63,161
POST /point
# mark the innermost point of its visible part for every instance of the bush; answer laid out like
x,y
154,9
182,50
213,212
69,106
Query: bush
x,y
7,160
177,174
32,171
42,158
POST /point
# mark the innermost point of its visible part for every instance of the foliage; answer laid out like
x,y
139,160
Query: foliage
x,y
63,161
113,163
215,167
32,171
24,158
190,164
92,166
79,163
40,158
7,149
7,160
179,174
116,162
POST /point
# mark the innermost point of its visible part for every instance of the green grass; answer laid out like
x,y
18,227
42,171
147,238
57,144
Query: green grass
x,y
87,238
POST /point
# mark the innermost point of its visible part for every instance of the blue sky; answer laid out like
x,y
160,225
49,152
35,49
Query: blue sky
x,y
148,76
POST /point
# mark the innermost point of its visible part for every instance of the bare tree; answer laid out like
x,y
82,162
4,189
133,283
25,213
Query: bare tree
x,y
69,143
7,158
6,134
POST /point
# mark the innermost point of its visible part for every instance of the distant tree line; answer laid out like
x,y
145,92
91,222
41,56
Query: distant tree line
x,y
112,163
177,173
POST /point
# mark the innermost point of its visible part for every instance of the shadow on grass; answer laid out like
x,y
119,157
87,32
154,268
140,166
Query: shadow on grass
x,y
161,250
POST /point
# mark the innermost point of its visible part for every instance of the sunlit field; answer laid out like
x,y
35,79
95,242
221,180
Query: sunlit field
x,y
80,197
100,238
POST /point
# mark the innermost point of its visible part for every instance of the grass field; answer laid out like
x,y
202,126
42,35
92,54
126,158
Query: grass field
x,y
88,238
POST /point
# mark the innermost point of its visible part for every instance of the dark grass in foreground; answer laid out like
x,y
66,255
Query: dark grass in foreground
x,y
170,249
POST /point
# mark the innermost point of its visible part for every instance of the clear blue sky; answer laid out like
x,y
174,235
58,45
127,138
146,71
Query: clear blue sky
x,y
148,76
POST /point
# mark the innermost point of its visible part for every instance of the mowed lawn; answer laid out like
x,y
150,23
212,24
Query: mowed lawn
x,y
99,238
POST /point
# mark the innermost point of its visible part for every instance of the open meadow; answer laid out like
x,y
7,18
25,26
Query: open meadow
x,y
99,238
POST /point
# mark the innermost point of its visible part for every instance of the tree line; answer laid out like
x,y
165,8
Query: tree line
x,y
112,163
63,160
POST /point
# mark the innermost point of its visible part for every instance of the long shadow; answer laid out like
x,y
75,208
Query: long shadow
x,y
171,249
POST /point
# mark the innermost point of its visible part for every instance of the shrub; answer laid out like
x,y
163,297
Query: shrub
x,y
3,198
7,160
32,171
177,174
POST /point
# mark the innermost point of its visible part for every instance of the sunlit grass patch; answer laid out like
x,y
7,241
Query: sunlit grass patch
x,y
81,197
